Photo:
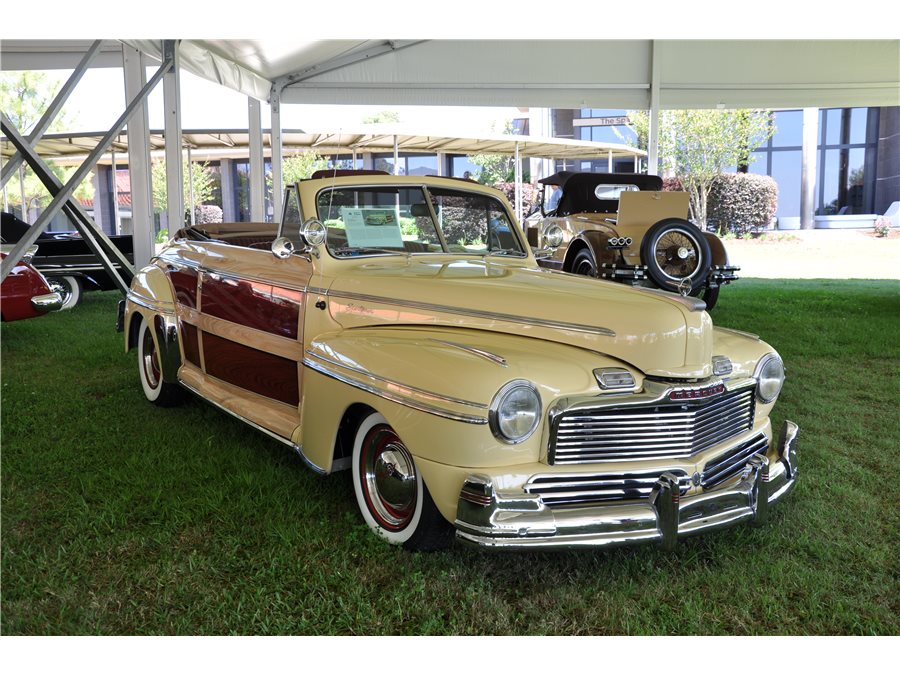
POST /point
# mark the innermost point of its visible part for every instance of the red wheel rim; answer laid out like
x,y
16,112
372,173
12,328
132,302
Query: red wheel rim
x,y
388,480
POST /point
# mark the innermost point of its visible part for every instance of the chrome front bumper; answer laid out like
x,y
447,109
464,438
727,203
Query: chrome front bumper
x,y
51,302
495,519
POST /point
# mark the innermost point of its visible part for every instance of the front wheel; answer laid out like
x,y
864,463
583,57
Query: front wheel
x,y
163,394
390,492
583,263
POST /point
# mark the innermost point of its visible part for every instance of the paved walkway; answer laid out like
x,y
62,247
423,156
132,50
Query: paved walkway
x,y
817,254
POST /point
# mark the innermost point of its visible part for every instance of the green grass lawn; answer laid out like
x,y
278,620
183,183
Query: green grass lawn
x,y
119,517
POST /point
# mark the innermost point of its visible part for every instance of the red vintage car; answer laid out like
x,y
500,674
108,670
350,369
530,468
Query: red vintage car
x,y
25,293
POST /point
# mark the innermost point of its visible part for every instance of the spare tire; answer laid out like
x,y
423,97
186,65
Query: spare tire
x,y
674,250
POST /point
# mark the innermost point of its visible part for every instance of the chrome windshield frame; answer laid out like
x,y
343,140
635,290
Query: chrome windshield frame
x,y
445,249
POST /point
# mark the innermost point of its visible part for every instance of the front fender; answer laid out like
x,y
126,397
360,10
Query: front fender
x,y
435,387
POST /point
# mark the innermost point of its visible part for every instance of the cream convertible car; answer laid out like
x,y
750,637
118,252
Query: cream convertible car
x,y
400,327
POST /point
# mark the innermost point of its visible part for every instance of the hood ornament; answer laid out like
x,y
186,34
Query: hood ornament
x,y
684,287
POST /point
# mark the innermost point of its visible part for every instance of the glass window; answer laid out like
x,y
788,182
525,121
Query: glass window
x,y
460,166
789,129
845,126
366,221
843,182
420,165
786,167
474,223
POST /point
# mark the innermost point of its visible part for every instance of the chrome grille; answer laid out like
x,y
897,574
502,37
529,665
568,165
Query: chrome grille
x,y
673,430
583,489
731,463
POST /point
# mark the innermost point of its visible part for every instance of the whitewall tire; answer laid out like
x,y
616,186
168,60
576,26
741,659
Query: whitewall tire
x,y
390,493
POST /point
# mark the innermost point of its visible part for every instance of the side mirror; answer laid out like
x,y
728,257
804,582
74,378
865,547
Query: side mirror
x,y
282,248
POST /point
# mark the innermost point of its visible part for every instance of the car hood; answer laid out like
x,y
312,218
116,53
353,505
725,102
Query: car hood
x,y
661,334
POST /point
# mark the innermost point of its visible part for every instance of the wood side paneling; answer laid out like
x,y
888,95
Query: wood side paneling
x,y
184,281
265,374
191,343
254,304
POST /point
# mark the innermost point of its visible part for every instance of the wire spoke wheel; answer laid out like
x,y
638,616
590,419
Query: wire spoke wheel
x,y
676,251
677,254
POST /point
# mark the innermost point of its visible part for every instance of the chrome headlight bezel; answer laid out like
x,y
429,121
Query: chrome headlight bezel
x,y
496,417
553,236
764,373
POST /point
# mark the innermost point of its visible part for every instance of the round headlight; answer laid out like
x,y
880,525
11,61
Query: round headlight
x,y
553,236
769,377
515,411
314,232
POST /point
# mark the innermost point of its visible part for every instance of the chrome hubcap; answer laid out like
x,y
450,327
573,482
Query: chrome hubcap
x,y
388,478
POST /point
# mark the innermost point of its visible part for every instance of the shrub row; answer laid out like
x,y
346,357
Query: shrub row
x,y
739,203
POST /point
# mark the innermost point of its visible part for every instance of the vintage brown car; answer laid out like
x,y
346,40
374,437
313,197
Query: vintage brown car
x,y
624,227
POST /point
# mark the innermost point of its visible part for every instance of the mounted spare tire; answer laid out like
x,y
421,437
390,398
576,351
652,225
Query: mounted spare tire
x,y
674,250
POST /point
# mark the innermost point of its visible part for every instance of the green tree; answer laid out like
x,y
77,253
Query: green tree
x,y
203,178
698,145
301,166
24,96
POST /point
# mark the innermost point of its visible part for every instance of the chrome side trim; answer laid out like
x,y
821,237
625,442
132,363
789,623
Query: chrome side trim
x,y
202,269
495,316
395,398
399,385
493,358
147,303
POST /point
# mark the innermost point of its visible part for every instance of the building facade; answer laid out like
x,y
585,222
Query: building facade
x,y
855,167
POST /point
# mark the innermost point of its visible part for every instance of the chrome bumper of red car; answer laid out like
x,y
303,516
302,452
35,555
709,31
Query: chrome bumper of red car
x,y
492,519
51,302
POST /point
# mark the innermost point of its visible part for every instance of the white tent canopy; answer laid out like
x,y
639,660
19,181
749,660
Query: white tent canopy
x,y
537,73
554,73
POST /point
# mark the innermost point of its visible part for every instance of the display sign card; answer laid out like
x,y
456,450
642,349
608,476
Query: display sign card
x,y
375,228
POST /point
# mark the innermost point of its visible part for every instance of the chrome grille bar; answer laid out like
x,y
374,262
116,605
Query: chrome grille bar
x,y
730,464
579,489
671,429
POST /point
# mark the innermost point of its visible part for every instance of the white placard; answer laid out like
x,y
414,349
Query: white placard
x,y
376,228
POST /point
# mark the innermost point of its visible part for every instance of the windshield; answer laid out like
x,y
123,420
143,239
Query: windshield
x,y
411,220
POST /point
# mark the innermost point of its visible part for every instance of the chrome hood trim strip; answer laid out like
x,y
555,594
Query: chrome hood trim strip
x,y
398,385
494,316
493,358
148,303
395,398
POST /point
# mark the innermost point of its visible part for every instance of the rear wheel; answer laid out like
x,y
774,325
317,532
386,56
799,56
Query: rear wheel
x,y
164,394
390,492
69,288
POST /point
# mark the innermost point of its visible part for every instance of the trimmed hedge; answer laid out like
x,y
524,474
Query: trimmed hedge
x,y
741,203
530,194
